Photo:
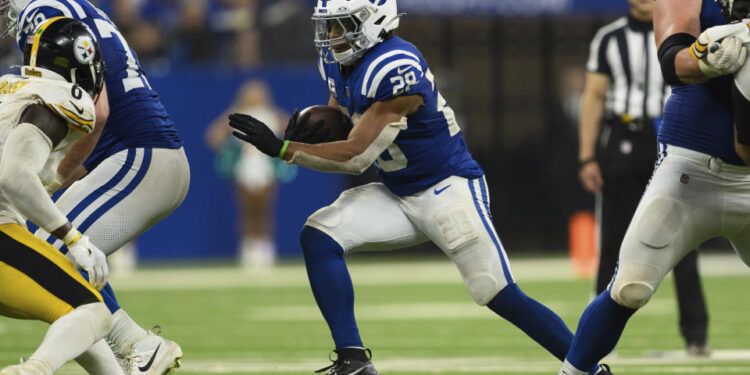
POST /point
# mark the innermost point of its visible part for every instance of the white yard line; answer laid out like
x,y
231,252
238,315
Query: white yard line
x,y
425,311
372,274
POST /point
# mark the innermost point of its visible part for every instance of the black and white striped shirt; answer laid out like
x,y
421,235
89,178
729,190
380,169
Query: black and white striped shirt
x,y
625,51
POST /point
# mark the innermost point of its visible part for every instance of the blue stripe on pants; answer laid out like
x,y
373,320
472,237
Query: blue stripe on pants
x,y
91,198
499,247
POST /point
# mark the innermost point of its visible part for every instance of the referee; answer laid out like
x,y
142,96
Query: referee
x,y
624,95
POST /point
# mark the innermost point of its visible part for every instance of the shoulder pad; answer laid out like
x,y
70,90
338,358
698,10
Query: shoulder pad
x,y
391,74
69,101
38,11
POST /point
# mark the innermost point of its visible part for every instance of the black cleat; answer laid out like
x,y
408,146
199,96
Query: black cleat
x,y
350,366
604,370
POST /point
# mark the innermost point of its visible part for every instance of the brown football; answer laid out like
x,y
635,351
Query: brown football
x,y
334,120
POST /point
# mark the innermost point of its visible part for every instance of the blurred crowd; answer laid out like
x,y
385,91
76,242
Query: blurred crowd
x,y
234,33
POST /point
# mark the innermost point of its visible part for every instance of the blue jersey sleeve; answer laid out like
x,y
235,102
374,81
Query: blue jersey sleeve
x,y
396,73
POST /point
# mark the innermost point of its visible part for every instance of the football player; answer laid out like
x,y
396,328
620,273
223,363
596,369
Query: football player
x,y
432,188
136,172
45,111
700,186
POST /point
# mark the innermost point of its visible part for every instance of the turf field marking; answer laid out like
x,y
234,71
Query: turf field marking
x,y
516,365
371,274
425,311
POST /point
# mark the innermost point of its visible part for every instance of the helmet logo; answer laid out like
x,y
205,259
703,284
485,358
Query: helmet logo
x,y
84,49
378,2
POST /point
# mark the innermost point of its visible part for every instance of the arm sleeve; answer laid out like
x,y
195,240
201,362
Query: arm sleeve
x,y
357,164
24,154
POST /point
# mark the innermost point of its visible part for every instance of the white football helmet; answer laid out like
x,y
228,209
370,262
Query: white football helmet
x,y
10,9
346,29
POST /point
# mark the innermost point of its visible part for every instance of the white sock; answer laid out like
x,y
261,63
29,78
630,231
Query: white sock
x,y
124,330
72,334
568,369
99,360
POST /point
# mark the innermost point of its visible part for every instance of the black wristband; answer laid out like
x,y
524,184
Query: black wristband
x,y
667,53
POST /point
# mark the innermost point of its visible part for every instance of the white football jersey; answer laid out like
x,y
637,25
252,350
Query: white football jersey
x,y
67,100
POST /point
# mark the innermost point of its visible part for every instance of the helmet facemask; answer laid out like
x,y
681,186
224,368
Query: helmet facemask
x,y
343,32
9,12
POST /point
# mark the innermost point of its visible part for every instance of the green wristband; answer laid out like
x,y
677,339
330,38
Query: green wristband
x,y
283,148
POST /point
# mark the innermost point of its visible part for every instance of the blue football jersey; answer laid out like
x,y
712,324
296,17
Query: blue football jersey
x,y
136,116
699,117
431,147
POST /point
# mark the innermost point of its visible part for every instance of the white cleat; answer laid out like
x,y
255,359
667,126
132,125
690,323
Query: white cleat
x,y
153,355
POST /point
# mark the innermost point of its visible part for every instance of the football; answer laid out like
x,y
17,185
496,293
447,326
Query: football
x,y
334,120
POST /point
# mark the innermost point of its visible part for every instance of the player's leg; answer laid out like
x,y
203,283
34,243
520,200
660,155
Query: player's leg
x,y
121,198
363,218
692,305
99,360
458,220
46,286
666,225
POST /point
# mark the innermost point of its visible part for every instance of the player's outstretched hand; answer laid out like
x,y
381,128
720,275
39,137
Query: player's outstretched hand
x,y
255,132
92,260
296,131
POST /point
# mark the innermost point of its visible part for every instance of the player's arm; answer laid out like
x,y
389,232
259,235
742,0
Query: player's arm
x,y
24,154
688,56
592,111
71,167
375,131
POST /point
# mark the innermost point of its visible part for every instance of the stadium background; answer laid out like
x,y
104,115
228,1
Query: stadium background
x,y
511,70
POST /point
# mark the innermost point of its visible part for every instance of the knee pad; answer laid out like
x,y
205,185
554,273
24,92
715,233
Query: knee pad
x,y
483,287
660,222
635,284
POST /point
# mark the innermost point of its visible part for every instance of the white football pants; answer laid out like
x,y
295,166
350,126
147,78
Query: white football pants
x,y
691,198
125,195
453,213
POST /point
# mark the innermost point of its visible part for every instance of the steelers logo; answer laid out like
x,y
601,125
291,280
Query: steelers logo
x,y
84,49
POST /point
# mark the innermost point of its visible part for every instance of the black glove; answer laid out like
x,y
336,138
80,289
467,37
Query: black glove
x,y
255,132
295,131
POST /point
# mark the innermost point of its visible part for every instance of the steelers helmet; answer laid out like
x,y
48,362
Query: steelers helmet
x,y
735,10
67,46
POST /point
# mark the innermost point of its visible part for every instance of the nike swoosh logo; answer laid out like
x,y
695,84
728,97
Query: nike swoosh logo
x,y
150,361
403,69
441,190
80,110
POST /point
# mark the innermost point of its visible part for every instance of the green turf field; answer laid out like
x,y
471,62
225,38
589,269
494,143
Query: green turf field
x,y
416,317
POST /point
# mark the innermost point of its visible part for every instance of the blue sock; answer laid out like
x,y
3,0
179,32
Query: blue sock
x,y
599,329
331,285
109,298
108,295
535,319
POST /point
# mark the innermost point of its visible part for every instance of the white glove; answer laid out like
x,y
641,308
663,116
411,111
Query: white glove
x,y
90,259
719,49
725,58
